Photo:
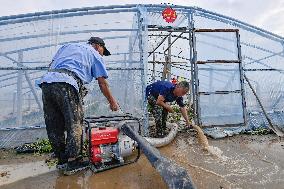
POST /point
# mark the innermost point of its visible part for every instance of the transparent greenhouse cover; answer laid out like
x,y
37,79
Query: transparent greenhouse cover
x,y
28,43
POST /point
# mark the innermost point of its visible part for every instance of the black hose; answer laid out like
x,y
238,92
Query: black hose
x,y
173,175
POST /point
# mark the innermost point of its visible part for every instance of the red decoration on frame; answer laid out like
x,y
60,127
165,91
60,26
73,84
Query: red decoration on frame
x,y
169,15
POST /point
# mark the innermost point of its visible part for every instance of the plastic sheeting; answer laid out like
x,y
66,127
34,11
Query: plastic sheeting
x,y
29,41
32,42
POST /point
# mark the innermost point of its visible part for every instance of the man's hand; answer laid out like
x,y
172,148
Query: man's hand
x,y
106,92
114,106
189,126
185,116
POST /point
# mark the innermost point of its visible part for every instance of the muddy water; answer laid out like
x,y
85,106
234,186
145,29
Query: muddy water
x,y
242,162
202,139
137,175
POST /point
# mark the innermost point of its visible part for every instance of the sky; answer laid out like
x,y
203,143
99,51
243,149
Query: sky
x,y
268,15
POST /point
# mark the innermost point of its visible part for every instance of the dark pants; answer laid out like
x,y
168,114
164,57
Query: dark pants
x,y
160,115
63,112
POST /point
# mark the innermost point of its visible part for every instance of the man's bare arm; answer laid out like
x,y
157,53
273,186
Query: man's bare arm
x,y
184,115
106,92
161,102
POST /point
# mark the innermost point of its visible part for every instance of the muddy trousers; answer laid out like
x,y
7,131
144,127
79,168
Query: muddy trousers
x,y
63,112
160,115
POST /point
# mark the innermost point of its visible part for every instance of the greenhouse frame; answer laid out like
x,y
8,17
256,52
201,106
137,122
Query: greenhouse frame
x,y
235,69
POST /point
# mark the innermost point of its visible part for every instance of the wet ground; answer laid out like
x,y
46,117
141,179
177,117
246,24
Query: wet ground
x,y
242,161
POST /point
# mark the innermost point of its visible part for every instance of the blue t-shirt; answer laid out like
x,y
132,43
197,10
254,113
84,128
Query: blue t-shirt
x,y
82,59
164,88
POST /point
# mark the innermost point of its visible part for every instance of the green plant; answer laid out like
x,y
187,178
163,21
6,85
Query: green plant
x,y
176,109
260,131
85,148
42,146
175,117
51,162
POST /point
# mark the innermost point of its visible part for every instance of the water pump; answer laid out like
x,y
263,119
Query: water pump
x,y
108,146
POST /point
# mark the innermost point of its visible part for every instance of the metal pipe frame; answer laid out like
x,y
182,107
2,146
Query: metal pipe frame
x,y
15,83
224,61
171,43
192,65
50,45
13,77
33,90
67,33
216,30
220,92
195,81
190,24
46,68
242,43
241,78
133,8
162,35
141,10
217,61
159,45
274,128
143,48
254,60
19,117
64,14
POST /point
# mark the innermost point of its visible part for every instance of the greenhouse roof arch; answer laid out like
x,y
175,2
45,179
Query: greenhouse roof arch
x,y
134,33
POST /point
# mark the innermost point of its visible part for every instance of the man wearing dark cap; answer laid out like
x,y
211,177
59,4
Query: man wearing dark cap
x,y
99,44
63,91
158,95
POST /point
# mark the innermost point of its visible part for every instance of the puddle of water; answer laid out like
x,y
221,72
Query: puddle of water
x,y
16,172
239,162
217,152
140,175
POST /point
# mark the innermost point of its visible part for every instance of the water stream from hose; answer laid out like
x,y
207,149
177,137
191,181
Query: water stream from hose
x,y
203,141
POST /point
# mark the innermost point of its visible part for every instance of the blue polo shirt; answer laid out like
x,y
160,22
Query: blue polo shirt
x,y
82,59
164,88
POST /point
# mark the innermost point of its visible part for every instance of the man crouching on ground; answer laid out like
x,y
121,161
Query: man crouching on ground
x,y
161,92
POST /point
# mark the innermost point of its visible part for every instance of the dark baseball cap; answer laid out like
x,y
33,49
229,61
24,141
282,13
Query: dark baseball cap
x,y
100,42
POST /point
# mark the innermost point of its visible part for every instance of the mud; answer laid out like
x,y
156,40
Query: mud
x,y
242,161
9,156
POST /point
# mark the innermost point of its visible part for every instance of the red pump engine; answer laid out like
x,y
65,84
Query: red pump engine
x,y
108,144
